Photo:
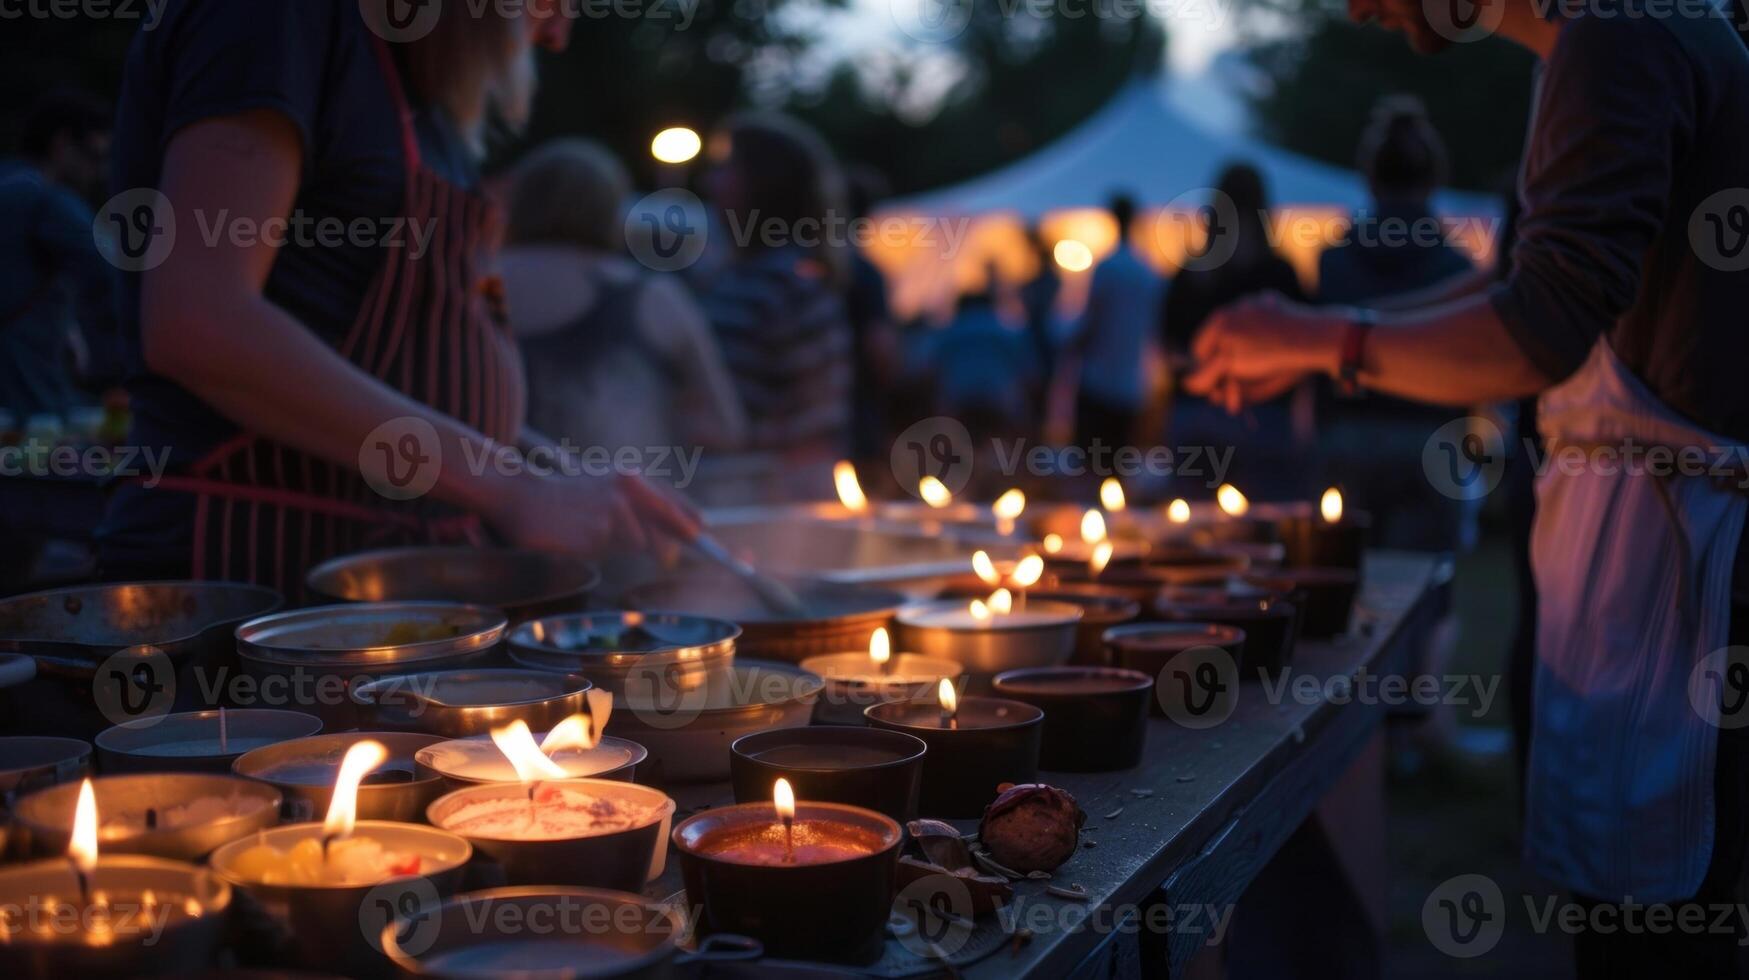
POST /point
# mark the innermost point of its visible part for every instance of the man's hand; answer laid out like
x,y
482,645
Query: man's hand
x,y
1258,349
590,515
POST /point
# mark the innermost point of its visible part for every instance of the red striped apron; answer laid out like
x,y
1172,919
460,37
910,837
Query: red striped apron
x,y
266,513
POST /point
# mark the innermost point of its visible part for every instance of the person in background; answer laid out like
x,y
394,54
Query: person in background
x,y
616,357
987,373
874,335
56,289
1038,303
1373,444
777,306
1114,339
1624,311
1236,260
320,397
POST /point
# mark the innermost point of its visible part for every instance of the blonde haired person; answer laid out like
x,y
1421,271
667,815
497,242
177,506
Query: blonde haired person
x,y
618,358
334,381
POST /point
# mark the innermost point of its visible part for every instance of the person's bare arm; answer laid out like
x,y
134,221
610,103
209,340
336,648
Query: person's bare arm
x,y
207,326
1469,282
1456,354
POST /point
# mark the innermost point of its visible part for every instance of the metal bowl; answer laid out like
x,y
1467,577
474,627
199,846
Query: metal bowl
x,y
460,703
622,859
46,818
304,770
1102,607
688,736
179,742
1040,634
321,654
524,584
71,632
838,618
682,653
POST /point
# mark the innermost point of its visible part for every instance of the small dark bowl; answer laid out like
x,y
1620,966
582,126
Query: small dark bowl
x,y
877,769
1270,625
999,743
1312,542
836,911
1096,718
1147,648
1326,596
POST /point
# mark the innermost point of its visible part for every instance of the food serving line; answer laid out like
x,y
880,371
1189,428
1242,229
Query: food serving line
x,y
1005,723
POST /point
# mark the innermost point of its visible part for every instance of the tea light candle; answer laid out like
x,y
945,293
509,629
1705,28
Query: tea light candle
x,y
990,635
856,680
1324,596
860,766
974,745
178,816
110,916
199,741
809,880
1095,718
1333,537
1148,648
1239,522
574,748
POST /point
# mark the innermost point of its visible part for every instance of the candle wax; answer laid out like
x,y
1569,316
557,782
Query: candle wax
x,y
555,813
349,861
192,747
119,824
767,845
961,618
479,759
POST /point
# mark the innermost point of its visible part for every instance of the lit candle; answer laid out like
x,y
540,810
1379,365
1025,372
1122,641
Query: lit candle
x,y
1007,509
849,489
574,749
1111,495
1178,511
1231,501
1334,537
856,680
934,492
975,743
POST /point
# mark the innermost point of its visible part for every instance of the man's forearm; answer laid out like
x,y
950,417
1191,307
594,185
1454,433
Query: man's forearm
x,y
1455,354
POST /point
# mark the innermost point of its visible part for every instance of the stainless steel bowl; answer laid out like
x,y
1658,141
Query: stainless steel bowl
x,y
680,652
1040,634
836,617
318,655
304,770
460,703
525,584
188,742
688,734
180,831
72,632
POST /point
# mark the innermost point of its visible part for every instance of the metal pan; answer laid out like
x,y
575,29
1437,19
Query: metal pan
x,y
524,584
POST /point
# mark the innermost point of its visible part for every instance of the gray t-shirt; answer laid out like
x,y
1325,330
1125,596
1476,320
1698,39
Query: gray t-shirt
x,y
1636,207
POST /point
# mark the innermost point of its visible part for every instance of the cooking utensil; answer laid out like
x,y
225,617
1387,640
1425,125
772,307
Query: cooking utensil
x,y
616,651
837,617
524,584
777,596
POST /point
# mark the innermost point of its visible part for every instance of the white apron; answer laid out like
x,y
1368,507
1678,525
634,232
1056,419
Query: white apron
x,y
1633,579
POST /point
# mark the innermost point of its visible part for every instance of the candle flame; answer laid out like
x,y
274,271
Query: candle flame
x,y
1331,505
785,799
1053,543
979,611
83,848
1028,572
1001,602
578,731
934,492
530,763
1101,557
880,647
1092,527
947,697
849,490
1178,511
359,760
1010,505
984,568
1111,495
1233,503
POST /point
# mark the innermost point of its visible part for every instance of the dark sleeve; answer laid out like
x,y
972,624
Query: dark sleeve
x,y
1617,107
228,57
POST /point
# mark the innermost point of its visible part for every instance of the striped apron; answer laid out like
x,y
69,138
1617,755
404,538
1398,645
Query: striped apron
x,y
1633,578
266,513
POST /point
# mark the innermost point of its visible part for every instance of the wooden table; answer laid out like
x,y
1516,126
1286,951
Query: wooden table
x,y
1194,824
